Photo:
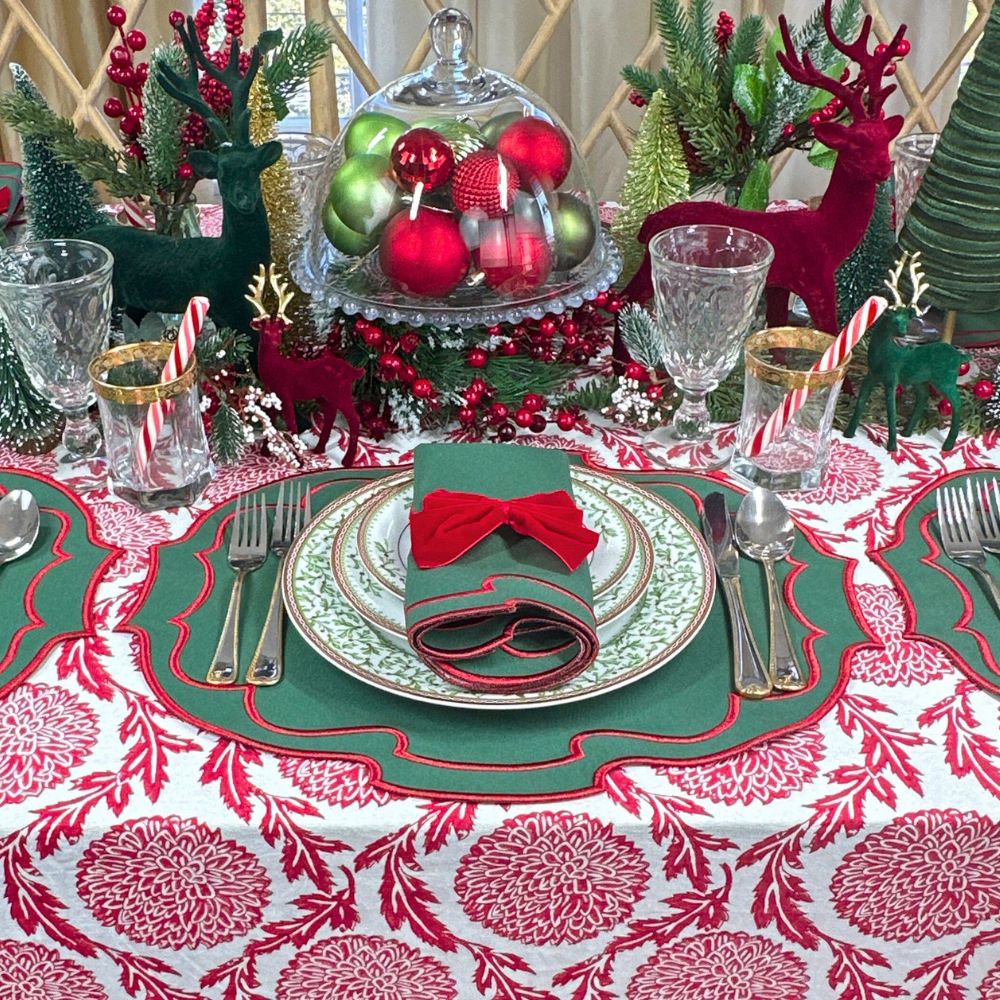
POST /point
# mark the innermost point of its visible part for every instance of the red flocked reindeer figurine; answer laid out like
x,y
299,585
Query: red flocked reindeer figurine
x,y
327,378
810,244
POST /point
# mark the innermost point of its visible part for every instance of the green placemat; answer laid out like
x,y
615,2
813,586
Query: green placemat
x,y
683,712
946,605
45,596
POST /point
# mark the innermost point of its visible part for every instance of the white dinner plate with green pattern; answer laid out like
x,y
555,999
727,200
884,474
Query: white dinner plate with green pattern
x,y
371,547
678,598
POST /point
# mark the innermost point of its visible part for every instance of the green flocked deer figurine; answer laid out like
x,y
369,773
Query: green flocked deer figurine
x,y
922,367
156,273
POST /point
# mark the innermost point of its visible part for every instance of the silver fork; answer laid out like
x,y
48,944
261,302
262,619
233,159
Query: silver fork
x,y
987,512
266,665
247,551
960,537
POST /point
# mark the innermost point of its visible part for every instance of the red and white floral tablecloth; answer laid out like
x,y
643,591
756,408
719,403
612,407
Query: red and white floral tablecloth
x,y
858,858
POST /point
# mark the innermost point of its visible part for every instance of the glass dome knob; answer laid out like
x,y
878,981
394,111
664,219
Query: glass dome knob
x,y
451,36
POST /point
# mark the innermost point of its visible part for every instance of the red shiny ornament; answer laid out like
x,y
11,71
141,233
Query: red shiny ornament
x,y
493,331
547,327
540,151
654,392
890,70
472,396
499,411
114,108
570,328
136,40
389,366
130,124
481,386
372,336
944,408
601,300
477,358
815,119
424,256
788,130
422,156
466,415
533,402
903,48
637,372
615,305
409,342
963,368
565,420
185,171
506,432
408,375
983,389
378,427
538,424
523,417
176,18
513,259
423,388
509,349
637,99
120,56
389,345
486,181
116,15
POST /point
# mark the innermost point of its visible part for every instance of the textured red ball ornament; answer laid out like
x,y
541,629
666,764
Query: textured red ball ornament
x,y
422,156
983,389
485,181
540,151
424,256
514,260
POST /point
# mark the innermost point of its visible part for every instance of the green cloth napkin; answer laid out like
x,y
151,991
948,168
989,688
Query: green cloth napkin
x,y
508,613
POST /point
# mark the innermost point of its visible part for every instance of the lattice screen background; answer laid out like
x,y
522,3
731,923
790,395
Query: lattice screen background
x,y
541,45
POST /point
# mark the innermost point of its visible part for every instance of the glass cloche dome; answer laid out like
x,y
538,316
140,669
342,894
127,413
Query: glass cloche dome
x,y
455,197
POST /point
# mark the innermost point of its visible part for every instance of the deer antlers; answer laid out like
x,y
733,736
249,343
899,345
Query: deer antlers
x,y
873,66
281,289
918,284
185,89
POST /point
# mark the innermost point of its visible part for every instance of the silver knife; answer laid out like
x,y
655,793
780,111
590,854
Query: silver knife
x,y
749,676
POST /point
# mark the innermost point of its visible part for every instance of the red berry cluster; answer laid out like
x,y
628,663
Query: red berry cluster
x,y
123,71
725,28
637,99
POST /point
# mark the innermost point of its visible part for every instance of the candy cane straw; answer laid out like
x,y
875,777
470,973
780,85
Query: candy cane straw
x,y
843,344
180,354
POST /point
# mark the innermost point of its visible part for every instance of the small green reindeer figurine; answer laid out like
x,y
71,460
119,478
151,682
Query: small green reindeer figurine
x,y
921,366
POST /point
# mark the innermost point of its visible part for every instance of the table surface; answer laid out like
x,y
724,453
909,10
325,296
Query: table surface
x,y
857,858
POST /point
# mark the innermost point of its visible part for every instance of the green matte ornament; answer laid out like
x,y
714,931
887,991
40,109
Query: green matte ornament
x,y
364,195
345,239
574,229
373,133
494,128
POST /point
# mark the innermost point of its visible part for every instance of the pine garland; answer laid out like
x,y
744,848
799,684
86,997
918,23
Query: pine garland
x,y
289,65
641,336
229,435
58,202
656,177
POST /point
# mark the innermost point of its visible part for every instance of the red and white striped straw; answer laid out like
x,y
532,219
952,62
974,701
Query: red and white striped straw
x,y
180,355
833,357
135,214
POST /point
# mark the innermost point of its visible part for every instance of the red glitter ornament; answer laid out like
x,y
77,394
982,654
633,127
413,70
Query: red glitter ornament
x,y
983,389
540,151
422,156
424,256
477,358
116,15
486,181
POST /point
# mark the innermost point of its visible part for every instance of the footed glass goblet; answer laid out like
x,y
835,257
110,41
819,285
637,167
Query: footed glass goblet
x,y
708,281
55,297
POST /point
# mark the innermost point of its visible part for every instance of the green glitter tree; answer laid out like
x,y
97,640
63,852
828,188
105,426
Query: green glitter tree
x,y
955,220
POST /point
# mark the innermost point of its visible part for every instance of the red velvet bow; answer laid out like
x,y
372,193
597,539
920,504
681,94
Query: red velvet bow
x,y
452,523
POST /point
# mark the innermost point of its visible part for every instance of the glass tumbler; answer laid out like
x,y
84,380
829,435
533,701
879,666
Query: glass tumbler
x,y
55,298
708,282
913,156
777,363
126,380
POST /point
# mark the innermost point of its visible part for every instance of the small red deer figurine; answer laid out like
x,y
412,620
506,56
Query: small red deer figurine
x,y
327,378
810,244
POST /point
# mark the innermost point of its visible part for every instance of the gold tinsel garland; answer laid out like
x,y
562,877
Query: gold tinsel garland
x,y
283,216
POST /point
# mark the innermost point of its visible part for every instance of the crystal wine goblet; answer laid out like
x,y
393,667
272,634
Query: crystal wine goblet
x,y
55,297
708,281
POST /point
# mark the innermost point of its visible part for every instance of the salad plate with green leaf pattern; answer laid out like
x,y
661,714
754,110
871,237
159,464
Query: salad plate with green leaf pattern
x,y
658,570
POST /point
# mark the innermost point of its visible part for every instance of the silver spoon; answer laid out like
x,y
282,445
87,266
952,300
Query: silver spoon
x,y
765,532
18,524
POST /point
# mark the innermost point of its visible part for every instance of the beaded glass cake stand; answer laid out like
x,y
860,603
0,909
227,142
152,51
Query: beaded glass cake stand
x,y
455,197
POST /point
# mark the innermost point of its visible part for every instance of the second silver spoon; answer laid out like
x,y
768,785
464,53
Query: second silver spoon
x,y
764,531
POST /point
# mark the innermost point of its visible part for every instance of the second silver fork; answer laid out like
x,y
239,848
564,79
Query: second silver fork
x,y
960,537
987,511
266,666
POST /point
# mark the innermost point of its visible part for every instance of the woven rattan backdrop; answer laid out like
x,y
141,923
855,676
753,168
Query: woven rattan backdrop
x,y
615,118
